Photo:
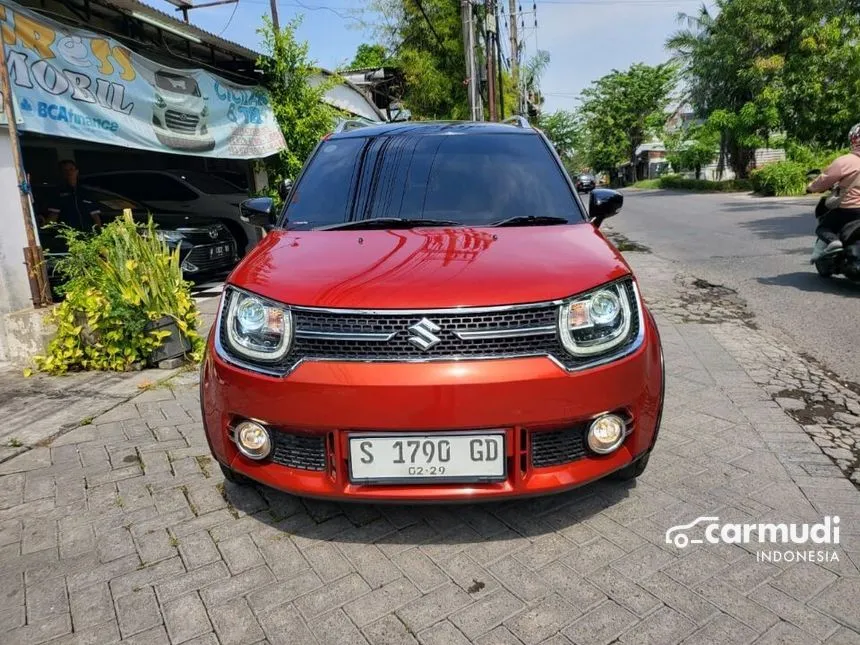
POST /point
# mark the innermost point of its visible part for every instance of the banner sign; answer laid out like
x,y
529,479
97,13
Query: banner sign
x,y
68,82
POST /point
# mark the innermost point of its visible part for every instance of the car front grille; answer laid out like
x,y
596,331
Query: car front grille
x,y
199,257
379,336
181,121
306,452
203,236
557,447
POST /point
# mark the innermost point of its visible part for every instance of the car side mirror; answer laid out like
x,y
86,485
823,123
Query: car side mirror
x,y
258,211
285,188
603,203
811,174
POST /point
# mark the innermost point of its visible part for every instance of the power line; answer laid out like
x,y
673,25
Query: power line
x,y
230,20
430,24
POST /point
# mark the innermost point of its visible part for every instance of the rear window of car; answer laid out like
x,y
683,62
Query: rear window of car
x,y
471,179
209,184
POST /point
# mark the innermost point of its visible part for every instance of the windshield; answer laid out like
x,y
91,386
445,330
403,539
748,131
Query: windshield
x,y
208,184
473,180
177,84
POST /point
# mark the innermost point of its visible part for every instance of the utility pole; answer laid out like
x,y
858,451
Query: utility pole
x,y
275,22
471,67
40,289
499,69
515,50
490,39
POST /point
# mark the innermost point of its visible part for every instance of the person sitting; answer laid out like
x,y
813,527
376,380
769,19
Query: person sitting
x,y
845,171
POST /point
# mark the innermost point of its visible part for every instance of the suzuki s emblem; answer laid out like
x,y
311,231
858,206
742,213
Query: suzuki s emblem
x,y
424,336
213,233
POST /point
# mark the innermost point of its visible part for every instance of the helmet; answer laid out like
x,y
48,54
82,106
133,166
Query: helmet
x,y
854,136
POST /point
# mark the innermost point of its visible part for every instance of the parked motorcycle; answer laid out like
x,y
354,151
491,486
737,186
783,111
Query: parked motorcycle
x,y
839,261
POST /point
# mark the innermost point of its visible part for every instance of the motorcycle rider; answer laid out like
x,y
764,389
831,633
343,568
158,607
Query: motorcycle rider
x,y
842,171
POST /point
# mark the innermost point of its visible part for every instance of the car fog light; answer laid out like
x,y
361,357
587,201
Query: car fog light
x,y
253,440
606,434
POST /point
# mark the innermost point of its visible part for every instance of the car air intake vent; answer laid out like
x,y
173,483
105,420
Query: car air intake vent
x,y
556,447
303,451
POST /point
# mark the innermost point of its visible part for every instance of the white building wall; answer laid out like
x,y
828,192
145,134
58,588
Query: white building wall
x,y
14,285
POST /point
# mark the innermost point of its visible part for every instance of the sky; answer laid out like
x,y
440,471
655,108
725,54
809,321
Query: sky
x,y
585,38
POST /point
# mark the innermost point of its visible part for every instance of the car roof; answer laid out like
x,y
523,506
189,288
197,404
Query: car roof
x,y
413,128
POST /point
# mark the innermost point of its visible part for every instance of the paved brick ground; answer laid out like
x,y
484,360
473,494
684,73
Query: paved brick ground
x,y
124,530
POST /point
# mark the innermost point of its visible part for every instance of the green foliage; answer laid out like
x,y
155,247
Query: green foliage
x,y
563,130
429,51
532,72
646,184
781,179
692,148
676,182
297,103
368,56
116,283
622,110
812,158
763,66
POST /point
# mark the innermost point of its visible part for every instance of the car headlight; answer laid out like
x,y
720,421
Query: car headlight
x,y
205,111
596,322
171,237
159,101
257,328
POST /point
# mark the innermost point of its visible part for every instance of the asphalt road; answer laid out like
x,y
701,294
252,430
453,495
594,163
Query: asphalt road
x,y
759,247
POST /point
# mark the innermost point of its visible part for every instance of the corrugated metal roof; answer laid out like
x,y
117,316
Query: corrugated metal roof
x,y
127,6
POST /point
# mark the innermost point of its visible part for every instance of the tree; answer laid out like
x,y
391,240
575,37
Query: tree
x,y
426,41
692,148
532,73
296,101
563,130
622,109
762,66
368,56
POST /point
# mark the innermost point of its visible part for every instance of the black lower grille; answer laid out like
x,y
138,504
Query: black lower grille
x,y
199,256
303,451
556,447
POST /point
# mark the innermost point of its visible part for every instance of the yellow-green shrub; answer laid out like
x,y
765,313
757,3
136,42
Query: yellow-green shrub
x,y
117,282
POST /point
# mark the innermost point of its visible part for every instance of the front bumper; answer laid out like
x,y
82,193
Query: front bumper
x,y
326,401
199,260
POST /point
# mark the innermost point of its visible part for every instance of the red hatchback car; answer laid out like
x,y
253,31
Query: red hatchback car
x,y
433,316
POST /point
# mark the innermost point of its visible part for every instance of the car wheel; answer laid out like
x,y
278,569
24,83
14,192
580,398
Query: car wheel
x,y
633,470
823,269
233,477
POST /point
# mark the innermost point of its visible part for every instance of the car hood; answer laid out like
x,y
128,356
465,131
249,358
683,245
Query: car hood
x,y
428,268
170,221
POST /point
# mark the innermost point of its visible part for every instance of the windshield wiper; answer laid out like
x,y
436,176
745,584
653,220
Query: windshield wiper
x,y
387,222
530,220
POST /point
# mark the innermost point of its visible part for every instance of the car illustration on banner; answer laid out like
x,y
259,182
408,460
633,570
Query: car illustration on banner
x,y
180,113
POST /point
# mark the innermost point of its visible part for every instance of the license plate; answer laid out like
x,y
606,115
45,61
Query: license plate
x,y
219,251
401,457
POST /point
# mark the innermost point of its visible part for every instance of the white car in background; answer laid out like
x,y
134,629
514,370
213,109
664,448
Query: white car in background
x,y
184,191
180,114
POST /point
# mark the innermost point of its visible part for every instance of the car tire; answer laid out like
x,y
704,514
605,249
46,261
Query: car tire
x,y
233,477
823,269
633,470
